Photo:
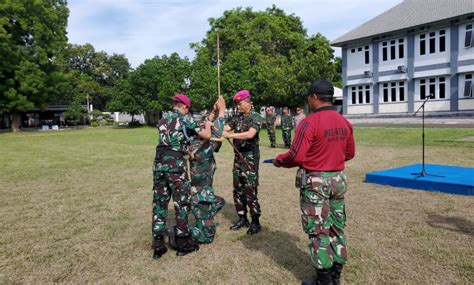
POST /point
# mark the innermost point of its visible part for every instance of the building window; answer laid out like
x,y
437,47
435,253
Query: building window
x,y
468,38
360,94
353,101
367,94
433,86
422,44
401,91
468,86
353,50
442,40
442,88
401,48
394,49
385,92
422,89
433,42
367,55
393,91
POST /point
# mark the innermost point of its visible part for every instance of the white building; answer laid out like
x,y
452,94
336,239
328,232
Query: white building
x,y
419,47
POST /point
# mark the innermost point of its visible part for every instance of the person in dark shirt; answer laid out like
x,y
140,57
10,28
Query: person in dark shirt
x,y
323,142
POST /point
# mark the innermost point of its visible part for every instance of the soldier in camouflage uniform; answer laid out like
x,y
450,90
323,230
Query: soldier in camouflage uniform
x,y
323,142
204,203
246,126
286,127
270,121
169,175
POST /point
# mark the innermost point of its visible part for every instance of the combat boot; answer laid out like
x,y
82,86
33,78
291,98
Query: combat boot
x,y
242,222
336,273
324,277
172,233
185,245
255,225
159,247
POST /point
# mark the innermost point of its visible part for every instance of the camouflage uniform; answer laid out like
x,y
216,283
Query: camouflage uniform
x,y
323,217
169,172
270,121
204,203
286,127
246,177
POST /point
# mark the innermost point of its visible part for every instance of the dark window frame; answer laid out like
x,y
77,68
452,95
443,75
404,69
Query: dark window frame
x,y
442,40
422,44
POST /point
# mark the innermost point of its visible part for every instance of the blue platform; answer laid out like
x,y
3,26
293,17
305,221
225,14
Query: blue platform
x,y
455,180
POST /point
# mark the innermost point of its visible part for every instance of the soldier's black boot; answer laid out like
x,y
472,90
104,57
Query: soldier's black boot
x,y
185,245
242,222
255,225
173,232
159,247
324,277
336,273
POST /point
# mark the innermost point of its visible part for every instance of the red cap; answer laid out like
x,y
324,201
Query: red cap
x,y
241,95
181,98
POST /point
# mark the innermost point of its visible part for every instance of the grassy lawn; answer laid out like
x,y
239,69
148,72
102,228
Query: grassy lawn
x,y
76,207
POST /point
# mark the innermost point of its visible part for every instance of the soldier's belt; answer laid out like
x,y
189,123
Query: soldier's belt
x,y
318,173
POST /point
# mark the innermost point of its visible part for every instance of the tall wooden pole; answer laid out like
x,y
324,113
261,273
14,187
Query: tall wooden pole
x,y
218,68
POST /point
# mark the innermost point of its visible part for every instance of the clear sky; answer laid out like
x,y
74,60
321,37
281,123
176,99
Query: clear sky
x,y
142,29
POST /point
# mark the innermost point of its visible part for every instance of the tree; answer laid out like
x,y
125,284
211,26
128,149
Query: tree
x,y
156,80
124,100
93,73
32,34
267,52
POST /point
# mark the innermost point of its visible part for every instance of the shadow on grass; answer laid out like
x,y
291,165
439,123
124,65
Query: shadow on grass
x,y
455,224
280,246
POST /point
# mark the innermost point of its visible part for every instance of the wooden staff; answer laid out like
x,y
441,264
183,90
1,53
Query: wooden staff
x,y
218,68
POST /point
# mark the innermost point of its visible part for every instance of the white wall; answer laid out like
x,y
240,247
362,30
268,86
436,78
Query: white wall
x,y
361,81
360,109
393,107
356,61
466,104
435,105
394,77
433,73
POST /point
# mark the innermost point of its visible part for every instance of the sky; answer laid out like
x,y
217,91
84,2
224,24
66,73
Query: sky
x,y
142,29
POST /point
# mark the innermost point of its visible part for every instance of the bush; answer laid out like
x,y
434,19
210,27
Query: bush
x,y
134,124
94,124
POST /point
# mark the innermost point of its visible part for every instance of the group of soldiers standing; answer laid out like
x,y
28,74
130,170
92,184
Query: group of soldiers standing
x,y
287,124
184,168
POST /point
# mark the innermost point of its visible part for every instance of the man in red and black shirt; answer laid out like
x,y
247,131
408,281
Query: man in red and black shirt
x,y
323,142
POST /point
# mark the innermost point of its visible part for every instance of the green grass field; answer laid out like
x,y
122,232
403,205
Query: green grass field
x,y
76,207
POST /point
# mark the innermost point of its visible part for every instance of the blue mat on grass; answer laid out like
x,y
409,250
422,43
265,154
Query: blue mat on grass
x,y
454,180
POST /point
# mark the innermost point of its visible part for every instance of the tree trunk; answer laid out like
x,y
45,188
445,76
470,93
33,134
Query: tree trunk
x,y
16,121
